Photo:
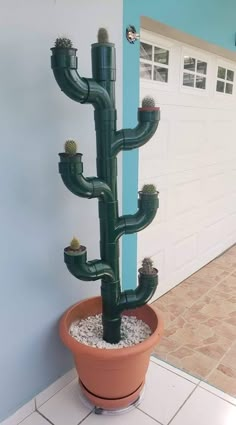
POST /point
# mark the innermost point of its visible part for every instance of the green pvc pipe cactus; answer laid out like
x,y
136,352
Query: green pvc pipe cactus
x,y
100,92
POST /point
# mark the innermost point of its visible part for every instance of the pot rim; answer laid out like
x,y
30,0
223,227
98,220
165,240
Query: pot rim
x,y
104,353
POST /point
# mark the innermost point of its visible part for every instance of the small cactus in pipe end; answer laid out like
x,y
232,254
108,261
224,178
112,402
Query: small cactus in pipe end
x,y
148,102
63,43
70,147
75,249
103,36
147,267
149,189
75,245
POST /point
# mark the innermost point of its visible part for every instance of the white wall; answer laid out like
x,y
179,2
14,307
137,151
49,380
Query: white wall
x,y
39,215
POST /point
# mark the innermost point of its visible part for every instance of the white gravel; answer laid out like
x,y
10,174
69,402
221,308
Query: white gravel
x,y
89,332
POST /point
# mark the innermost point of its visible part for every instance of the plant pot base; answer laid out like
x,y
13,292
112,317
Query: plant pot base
x,y
114,378
112,404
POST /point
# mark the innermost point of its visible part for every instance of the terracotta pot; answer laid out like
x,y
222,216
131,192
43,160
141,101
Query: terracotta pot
x,y
111,379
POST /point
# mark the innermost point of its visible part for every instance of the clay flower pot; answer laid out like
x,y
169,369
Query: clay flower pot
x,y
110,378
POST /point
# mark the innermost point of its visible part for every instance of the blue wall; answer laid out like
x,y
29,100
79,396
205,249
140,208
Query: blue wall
x,y
212,21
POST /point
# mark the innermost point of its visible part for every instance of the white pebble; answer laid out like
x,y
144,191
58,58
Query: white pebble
x,y
89,331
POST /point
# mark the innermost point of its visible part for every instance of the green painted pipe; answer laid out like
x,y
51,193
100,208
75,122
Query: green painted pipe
x,y
135,138
147,208
84,90
141,295
100,92
82,269
71,169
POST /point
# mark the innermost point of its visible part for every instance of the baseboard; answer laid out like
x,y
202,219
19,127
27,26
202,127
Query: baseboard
x,y
40,399
20,414
49,392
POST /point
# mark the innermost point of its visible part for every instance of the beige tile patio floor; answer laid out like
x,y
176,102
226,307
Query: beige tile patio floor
x,y
200,324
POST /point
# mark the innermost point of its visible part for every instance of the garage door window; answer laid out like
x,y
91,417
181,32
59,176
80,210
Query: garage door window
x,y
195,73
154,62
225,80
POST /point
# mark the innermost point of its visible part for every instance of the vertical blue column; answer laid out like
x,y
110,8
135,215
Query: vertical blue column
x,y
130,158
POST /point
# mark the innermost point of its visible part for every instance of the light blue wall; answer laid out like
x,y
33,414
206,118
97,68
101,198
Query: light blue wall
x,y
211,20
39,216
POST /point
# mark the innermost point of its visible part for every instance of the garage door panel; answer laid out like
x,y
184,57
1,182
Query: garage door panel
x,y
152,169
192,161
183,197
157,144
155,167
213,234
231,201
214,187
184,251
232,223
184,193
151,241
221,134
187,138
231,178
184,225
217,181
215,211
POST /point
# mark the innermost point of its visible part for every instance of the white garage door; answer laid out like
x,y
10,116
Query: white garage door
x,y
191,158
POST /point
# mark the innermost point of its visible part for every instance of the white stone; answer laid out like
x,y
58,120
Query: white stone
x,y
89,331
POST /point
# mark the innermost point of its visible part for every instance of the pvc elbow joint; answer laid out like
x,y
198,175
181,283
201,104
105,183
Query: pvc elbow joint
x,y
128,139
134,298
147,208
64,64
77,264
71,169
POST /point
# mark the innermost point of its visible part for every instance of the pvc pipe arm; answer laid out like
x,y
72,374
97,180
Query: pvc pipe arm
x,y
134,298
83,90
71,170
128,139
91,270
128,224
90,187
82,269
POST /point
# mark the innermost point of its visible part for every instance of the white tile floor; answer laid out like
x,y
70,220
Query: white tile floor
x,y
171,397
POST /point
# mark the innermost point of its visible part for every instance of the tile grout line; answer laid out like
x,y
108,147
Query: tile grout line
x,y
183,404
38,407
187,372
86,417
203,295
195,273
149,416
25,417
44,417
207,376
216,287
196,387
202,378
218,396
175,373
209,290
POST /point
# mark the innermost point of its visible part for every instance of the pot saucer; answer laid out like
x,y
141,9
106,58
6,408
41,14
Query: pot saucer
x,y
111,412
